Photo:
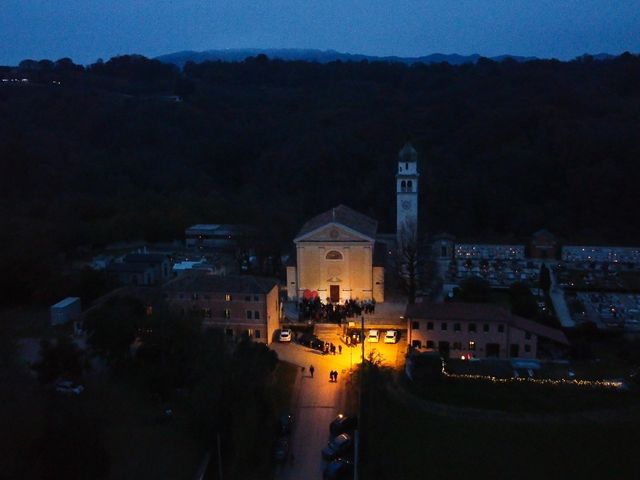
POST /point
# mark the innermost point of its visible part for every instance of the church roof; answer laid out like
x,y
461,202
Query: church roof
x,y
408,153
344,216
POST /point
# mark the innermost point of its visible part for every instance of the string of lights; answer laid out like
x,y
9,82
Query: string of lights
x,y
611,384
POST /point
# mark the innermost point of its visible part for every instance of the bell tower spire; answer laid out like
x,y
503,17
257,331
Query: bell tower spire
x,y
407,195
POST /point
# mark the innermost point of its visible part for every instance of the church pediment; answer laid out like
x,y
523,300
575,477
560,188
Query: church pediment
x,y
333,232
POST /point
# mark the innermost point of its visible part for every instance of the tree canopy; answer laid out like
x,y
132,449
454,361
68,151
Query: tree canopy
x,y
505,148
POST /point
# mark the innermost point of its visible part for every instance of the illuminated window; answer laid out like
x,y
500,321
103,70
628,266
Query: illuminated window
x,y
472,346
227,297
334,255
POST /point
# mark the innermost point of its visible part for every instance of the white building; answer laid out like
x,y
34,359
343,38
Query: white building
x,y
336,255
65,310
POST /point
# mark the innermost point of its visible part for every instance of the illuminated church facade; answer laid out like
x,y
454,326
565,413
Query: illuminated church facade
x,y
338,253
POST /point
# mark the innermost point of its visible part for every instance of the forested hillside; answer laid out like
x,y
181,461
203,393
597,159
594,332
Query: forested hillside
x,y
505,149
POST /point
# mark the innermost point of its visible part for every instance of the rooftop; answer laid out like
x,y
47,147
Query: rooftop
x,y
482,312
66,302
221,283
342,215
408,153
144,258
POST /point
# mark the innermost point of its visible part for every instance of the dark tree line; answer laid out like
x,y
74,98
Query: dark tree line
x,y
505,149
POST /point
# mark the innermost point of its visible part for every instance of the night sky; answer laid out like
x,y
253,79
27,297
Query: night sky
x,y
86,30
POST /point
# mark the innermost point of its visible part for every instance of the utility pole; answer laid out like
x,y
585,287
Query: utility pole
x,y
356,472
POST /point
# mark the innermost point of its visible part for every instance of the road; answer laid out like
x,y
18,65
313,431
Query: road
x,y
559,303
317,401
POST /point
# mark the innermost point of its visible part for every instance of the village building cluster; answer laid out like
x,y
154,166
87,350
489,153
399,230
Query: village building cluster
x,y
341,267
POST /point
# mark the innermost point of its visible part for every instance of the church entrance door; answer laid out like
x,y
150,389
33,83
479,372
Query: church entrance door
x,y
334,293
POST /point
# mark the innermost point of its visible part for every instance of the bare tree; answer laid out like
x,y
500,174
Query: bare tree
x,y
407,259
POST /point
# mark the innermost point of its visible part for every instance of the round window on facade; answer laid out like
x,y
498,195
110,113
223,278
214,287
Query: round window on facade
x,y
334,255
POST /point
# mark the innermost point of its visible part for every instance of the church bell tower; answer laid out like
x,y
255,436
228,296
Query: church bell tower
x,y
407,195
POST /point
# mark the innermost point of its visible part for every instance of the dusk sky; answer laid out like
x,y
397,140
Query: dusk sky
x,y
86,30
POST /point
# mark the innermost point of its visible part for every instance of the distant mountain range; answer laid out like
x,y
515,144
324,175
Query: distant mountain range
x,y
325,56
320,56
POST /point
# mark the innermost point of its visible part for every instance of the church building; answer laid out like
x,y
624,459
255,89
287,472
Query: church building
x,y
337,256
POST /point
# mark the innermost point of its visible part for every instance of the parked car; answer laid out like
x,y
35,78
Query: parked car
x,y
338,447
285,335
374,336
281,449
340,469
69,388
285,423
343,424
312,341
391,336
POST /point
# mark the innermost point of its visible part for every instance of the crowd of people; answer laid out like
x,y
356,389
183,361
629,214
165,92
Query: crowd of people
x,y
314,309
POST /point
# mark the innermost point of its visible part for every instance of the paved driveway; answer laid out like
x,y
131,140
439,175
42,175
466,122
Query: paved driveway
x,y
317,401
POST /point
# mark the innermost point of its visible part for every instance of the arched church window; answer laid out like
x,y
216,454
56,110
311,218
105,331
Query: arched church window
x,y
334,255
410,186
403,186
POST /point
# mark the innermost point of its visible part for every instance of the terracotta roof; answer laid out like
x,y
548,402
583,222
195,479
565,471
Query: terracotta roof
x,y
199,282
342,215
459,311
482,312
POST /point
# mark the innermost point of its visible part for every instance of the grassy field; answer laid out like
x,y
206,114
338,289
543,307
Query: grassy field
x,y
523,397
403,444
139,445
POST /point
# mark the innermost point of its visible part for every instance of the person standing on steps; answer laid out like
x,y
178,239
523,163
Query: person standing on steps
x,y
311,370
